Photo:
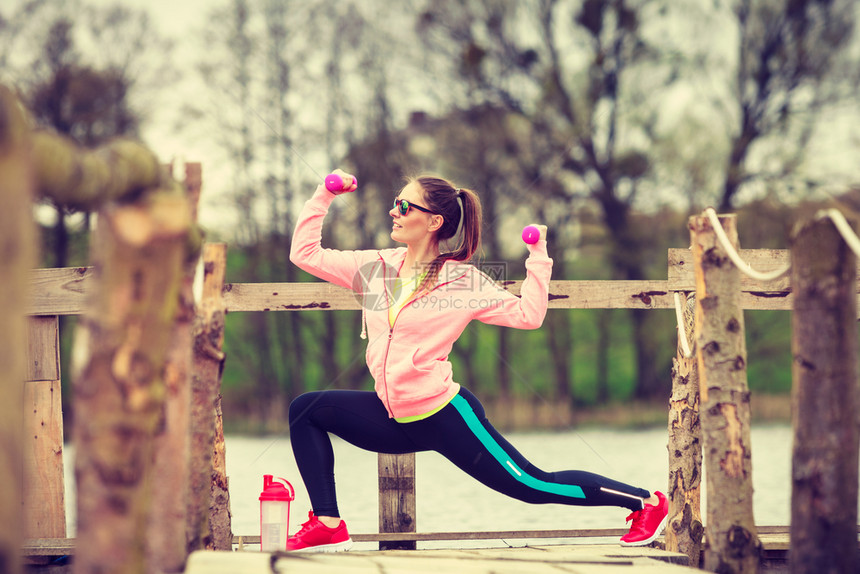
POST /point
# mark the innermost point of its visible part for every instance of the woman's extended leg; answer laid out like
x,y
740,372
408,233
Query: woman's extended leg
x,y
462,433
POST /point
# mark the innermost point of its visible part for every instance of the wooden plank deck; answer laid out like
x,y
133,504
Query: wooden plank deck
x,y
580,559
534,551
773,538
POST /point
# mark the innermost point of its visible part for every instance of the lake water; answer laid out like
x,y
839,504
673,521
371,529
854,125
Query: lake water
x,y
449,500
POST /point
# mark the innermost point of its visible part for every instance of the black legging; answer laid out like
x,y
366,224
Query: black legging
x,y
460,432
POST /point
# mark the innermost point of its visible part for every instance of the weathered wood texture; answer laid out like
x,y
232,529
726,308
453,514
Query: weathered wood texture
x,y
562,295
61,291
139,251
682,275
532,559
17,241
731,541
397,498
220,516
208,508
824,402
754,294
83,178
168,532
778,538
193,186
43,348
44,491
169,527
685,529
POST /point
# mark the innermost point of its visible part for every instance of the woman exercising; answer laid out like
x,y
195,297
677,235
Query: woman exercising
x,y
416,300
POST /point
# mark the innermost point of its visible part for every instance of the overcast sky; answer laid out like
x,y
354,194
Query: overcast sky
x,y
833,151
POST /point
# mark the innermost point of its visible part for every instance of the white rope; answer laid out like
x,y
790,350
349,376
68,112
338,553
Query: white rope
x,y
682,331
742,265
844,228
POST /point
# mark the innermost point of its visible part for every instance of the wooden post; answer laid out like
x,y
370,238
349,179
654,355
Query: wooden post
x,y
824,401
168,526
732,543
685,529
397,498
219,514
209,502
44,492
17,241
139,251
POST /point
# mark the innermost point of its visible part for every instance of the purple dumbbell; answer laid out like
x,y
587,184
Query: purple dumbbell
x,y
334,182
531,234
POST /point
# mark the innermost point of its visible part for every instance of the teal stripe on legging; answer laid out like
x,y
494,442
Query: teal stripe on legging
x,y
465,410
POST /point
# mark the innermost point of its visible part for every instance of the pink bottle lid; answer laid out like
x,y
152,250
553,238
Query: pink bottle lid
x,y
277,489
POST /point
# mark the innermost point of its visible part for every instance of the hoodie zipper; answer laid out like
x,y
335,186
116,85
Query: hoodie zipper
x,y
391,335
387,348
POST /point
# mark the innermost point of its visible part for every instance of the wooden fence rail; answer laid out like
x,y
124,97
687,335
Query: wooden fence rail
x,y
63,292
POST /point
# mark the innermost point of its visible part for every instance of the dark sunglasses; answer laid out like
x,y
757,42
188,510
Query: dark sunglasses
x,y
403,205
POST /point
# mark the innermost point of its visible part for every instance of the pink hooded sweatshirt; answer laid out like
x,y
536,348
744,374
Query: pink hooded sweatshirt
x,y
409,360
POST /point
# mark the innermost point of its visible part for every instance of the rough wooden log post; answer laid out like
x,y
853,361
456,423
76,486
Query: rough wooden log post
x,y
219,516
209,508
17,241
168,526
824,401
732,543
44,490
85,179
397,498
139,253
685,529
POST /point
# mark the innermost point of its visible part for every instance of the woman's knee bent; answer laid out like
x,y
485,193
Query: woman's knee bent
x,y
302,405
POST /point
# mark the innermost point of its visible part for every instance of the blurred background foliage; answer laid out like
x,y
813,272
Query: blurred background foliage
x,y
609,120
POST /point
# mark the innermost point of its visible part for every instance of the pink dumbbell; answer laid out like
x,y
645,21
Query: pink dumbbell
x,y
334,182
531,234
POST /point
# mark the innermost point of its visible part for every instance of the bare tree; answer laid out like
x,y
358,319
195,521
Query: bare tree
x,y
87,94
788,73
296,76
589,92
14,29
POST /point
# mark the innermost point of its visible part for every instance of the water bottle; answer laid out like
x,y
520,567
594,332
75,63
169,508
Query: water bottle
x,y
275,513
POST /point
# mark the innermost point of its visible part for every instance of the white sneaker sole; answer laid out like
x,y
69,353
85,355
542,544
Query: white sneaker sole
x,y
338,547
654,536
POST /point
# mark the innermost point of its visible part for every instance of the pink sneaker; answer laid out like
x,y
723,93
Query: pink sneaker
x,y
314,536
648,523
